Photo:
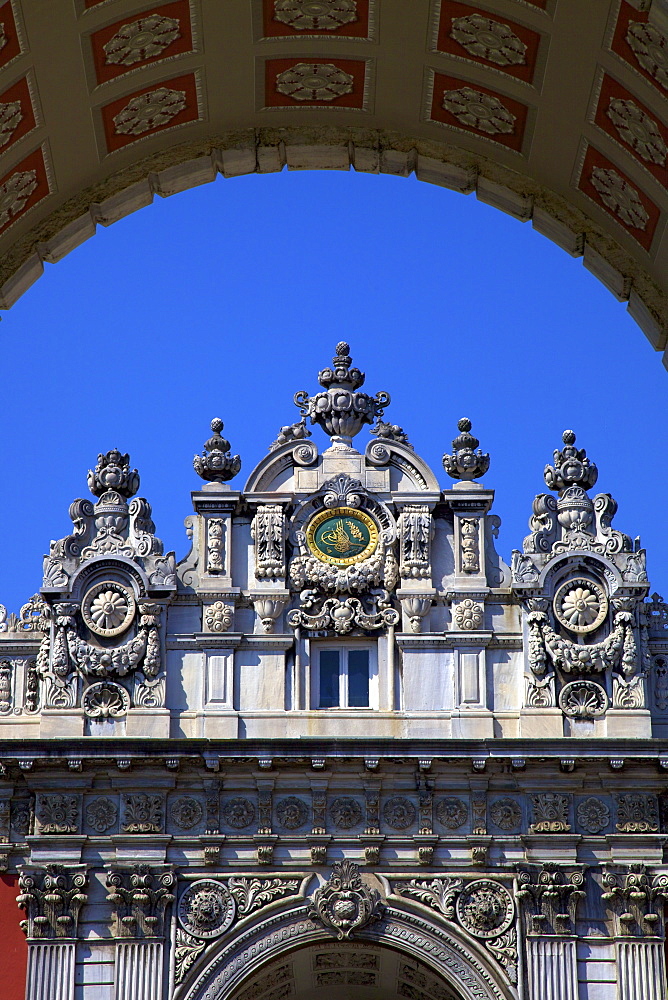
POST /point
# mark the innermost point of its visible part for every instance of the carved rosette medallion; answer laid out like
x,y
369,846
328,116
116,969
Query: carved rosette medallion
x,y
345,903
342,536
292,813
108,608
580,605
346,813
399,813
239,813
206,909
485,909
452,813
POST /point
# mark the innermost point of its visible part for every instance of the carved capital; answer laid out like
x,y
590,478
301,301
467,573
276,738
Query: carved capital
x,y
141,896
52,898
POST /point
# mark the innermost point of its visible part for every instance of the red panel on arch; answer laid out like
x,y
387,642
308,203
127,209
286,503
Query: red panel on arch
x,y
610,188
14,947
451,10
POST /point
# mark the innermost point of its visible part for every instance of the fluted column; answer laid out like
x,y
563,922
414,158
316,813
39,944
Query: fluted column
x,y
139,966
552,969
642,971
51,970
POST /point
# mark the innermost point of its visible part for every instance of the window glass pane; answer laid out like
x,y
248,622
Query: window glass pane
x,y
329,678
358,678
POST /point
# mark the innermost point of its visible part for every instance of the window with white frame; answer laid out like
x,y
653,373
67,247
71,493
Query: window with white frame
x,y
344,676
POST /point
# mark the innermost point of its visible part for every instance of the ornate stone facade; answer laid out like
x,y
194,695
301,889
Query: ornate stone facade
x,y
340,718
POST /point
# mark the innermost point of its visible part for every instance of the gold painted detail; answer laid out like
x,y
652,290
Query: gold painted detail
x,y
342,536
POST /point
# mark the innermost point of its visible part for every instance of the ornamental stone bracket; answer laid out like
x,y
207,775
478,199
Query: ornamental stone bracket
x,y
345,904
635,897
269,607
550,897
52,898
141,897
416,607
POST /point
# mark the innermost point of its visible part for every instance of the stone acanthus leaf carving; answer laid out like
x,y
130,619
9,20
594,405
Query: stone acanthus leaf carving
x,y
439,893
551,897
650,47
504,950
635,896
488,39
186,812
415,532
628,693
325,15
215,544
218,616
637,813
145,38
143,813
469,541
15,192
342,617
52,898
31,696
268,533
105,700
21,817
149,692
345,903
593,815
251,894
340,410
550,813
539,692
314,82
58,813
583,699
141,895
465,462
101,814
187,951
154,109
452,813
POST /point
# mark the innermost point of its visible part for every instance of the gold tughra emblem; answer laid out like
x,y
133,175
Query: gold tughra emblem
x,y
342,535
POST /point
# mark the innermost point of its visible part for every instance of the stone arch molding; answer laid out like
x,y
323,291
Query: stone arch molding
x,y
106,103
449,952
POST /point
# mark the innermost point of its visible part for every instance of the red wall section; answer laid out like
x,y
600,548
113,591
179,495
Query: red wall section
x,y
13,945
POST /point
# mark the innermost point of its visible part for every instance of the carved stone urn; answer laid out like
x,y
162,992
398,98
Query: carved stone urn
x,y
341,411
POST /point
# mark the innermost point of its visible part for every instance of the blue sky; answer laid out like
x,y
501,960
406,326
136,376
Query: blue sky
x,y
224,300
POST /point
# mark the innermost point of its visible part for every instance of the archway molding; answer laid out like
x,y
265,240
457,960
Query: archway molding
x,y
411,929
177,168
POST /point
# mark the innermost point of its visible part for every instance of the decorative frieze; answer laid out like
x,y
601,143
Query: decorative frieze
x,y
58,813
550,812
268,532
142,813
415,531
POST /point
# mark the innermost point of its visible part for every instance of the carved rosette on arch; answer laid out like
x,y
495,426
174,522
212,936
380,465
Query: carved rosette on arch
x,y
580,583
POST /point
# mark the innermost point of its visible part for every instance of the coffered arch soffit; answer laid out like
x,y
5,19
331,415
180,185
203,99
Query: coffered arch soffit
x,y
551,110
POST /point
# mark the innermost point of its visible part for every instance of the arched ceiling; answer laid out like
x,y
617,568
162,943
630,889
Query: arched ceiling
x,y
552,110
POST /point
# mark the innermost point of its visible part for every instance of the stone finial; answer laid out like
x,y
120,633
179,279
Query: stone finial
x,y
113,472
465,462
216,464
341,374
341,411
571,467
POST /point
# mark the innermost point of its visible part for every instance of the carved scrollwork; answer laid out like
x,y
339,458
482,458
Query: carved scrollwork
x,y
342,617
345,903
